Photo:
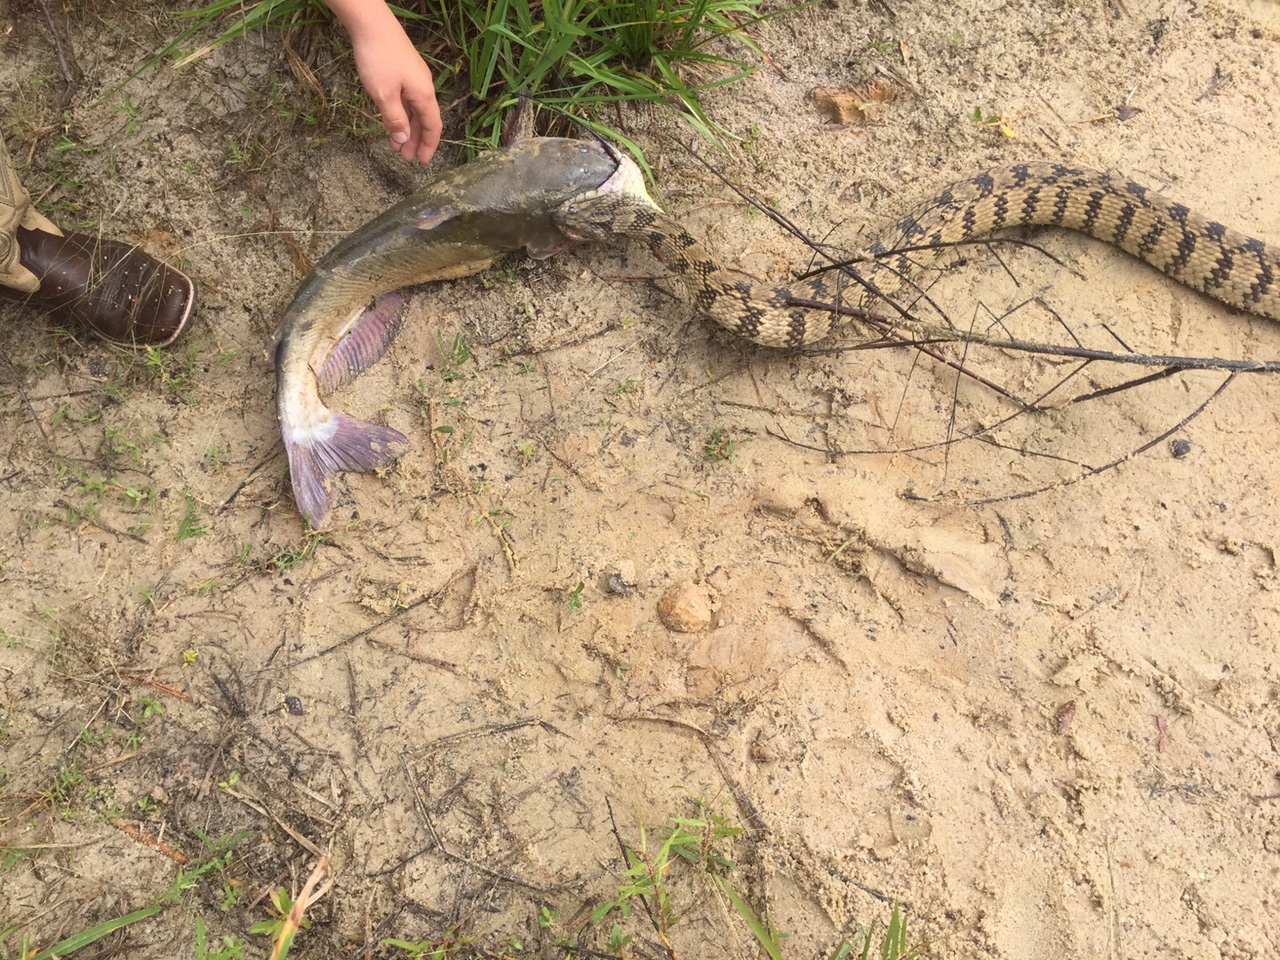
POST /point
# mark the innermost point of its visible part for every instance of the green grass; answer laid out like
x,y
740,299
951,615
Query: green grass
x,y
722,445
190,526
577,57
208,871
665,877
663,872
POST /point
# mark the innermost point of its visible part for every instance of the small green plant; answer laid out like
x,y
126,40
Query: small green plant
x,y
151,708
290,557
64,166
248,154
431,949
506,273
117,442
232,893
62,791
94,738
175,372
455,354
286,109
573,600
880,46
695,842
129,111
137,497
722,445
893,945
215,457
229,949
992,121
190,525
279,903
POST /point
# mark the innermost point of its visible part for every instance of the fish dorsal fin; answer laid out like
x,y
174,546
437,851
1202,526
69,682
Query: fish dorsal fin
x,y
519,123
365,342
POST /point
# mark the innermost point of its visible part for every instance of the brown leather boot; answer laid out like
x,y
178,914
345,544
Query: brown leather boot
x,y
114,289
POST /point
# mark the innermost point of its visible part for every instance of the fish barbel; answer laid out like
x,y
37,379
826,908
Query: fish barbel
x,y
454,226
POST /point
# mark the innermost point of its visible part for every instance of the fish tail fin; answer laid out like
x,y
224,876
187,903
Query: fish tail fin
x,y
339,442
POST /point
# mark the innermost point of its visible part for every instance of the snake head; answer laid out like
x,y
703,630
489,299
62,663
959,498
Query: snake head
x,y
595,214
588,216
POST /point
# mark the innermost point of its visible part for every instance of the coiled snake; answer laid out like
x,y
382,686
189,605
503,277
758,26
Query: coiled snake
x,y
1201,253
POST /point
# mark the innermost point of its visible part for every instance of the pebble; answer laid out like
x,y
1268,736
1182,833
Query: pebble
x,y
686,608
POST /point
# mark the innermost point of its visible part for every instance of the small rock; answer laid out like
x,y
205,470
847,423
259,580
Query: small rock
x,y
685,608
622,581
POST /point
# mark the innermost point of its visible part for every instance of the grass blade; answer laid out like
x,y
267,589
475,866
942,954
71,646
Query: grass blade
x,y
765,935
94,933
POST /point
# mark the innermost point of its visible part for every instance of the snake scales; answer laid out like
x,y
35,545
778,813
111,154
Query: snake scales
x,y
1201,253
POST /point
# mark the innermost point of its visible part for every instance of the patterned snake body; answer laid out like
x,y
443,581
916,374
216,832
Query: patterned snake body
x,y
1238,270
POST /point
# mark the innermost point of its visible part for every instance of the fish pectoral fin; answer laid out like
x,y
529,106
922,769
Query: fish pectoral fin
x,y
545,247
430,219
367,340
340,443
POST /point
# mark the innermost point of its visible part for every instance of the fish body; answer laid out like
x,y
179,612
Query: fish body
x,y
454,226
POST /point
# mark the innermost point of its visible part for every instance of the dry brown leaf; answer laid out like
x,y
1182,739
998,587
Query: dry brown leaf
x,y
849,105
158,242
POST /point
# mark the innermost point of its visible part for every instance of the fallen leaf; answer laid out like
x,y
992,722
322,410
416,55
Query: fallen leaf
x,y
850,105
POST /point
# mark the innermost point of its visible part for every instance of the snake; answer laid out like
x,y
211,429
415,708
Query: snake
x,y
1201,253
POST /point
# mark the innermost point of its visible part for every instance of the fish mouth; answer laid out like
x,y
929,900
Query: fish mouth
x,y
593,214
626,181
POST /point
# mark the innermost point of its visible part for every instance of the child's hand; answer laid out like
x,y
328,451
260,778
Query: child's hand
x,y
394,74
399,81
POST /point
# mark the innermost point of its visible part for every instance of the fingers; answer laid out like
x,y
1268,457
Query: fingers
x,y
425,126
408,150
412,121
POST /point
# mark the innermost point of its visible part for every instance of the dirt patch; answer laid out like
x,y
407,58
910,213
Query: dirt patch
x,y
1046,725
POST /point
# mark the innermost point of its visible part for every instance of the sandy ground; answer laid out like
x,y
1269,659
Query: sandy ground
x,y
1046,725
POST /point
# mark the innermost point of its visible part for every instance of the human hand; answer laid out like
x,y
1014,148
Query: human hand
x,y
399,81
396,77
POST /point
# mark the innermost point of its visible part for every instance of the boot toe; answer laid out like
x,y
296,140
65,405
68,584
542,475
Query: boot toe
x,y
114,289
